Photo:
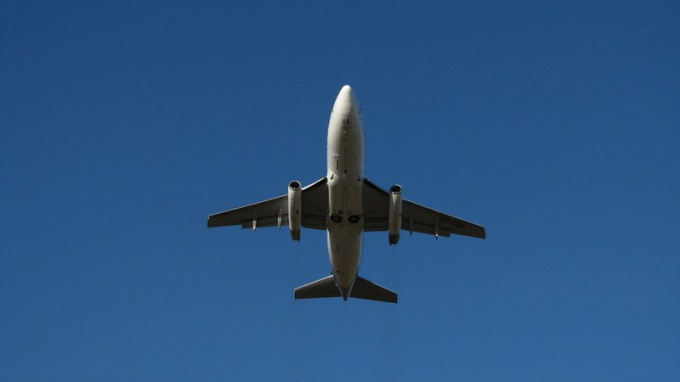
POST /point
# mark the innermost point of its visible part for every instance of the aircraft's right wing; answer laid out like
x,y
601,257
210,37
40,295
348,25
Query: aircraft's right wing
x,y
274,212
315,204
414,217
268,213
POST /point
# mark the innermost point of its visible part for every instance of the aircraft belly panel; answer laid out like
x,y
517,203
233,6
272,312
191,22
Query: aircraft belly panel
x,y
344,251
345,189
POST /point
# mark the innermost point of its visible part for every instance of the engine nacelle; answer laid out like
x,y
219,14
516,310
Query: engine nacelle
x,y
295,209
395,214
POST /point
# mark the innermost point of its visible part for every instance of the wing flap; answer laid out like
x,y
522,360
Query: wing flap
x,y
315,204
376,207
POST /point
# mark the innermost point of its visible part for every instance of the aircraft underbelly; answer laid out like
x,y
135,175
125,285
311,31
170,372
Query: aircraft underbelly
x,y
345,228
345,186
344,250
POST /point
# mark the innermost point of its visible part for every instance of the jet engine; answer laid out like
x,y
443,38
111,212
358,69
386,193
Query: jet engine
x,y
295,209
395,214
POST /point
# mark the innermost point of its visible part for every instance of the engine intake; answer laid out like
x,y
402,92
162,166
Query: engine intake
x,y
295,209
395,214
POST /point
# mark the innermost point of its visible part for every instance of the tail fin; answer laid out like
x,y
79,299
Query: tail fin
x,y
362,288
371,291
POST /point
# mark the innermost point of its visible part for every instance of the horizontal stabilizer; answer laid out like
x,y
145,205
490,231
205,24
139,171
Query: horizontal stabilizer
x,y
371,291
324,287
362,288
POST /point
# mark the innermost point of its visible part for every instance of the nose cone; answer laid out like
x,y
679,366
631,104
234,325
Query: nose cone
x,y
346,102
346,94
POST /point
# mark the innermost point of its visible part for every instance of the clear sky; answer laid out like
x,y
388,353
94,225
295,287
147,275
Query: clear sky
x,y
123,124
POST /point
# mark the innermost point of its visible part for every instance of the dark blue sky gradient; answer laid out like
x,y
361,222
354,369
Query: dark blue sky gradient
x,y
556,125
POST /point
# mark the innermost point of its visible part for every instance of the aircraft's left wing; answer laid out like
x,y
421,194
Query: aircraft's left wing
x,y
274,212
414,217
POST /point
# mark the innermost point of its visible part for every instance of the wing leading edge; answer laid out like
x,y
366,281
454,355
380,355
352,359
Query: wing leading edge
x,y
274,212
415,218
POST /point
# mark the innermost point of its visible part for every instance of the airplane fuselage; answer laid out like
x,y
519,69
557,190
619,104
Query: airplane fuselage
x,y
345,175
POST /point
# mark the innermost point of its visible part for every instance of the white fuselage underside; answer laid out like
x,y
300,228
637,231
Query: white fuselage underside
x,y
345,180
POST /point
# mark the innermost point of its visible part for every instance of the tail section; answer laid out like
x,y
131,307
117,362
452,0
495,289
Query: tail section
x,y
324,287
362,288
371,291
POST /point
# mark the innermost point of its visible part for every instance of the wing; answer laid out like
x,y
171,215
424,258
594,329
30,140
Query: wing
x,y
415,218
268,213
274,212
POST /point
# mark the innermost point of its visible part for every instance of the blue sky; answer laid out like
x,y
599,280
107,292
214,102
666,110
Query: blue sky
x,y
556,125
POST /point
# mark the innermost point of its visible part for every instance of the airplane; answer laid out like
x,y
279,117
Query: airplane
x,y
345,204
